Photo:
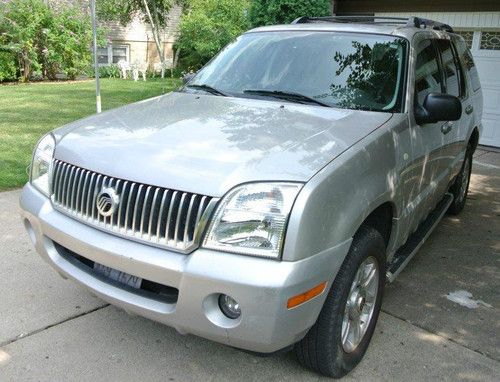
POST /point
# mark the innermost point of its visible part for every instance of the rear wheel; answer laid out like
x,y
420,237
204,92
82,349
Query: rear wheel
x,y
338,340
460,187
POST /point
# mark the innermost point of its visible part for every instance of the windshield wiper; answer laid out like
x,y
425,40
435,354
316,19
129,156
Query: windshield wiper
x,y
207,88
289,96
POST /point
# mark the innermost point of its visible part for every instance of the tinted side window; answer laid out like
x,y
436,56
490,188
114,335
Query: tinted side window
x,y
450,70
469,64
427,74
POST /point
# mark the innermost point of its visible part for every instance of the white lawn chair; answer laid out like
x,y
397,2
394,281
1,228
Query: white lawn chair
x,y
139,68
159,67
124,67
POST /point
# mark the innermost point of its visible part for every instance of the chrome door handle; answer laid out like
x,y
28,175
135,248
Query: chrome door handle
x,y
446,128
469,109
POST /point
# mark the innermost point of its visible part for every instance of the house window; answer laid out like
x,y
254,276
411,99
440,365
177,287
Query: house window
x,y
102,56
468,36
490,41
120,52
112,54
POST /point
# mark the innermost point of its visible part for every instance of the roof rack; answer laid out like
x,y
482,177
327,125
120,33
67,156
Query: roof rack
x,y
417,22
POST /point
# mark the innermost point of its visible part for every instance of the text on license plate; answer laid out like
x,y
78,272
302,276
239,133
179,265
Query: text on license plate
x,y
116,275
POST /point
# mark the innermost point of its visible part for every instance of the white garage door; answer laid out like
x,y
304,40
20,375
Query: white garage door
x,y
485,47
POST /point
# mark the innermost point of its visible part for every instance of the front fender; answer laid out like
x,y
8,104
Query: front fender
x,y
334,203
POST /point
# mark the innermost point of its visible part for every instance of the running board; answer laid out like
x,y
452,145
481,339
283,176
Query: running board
x,y
415,241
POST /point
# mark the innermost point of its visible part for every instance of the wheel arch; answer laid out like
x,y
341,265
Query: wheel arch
x,y
474,138
381,219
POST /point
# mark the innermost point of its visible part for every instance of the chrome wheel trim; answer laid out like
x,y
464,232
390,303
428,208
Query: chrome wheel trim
x,y
360,304
464,184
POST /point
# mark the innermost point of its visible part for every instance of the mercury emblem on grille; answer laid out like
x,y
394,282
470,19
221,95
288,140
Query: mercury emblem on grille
x,y
106,202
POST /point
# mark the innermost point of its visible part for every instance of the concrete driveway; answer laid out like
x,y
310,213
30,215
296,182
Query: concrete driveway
x,y
52,330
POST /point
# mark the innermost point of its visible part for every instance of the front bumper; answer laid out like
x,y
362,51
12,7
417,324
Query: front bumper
x,y
261,286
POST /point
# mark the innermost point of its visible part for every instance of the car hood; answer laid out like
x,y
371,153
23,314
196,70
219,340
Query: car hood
x,y
208,144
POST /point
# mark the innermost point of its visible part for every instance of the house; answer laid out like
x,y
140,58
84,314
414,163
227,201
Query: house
x,y
135,43
478,21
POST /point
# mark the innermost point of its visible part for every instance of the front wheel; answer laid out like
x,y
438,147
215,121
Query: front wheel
x,y
460,187
338,340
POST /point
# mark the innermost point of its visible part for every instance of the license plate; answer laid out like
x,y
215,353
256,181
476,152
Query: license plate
x,y
118,276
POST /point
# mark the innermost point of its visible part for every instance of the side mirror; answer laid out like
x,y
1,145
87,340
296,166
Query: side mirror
x,y
187,77
438,107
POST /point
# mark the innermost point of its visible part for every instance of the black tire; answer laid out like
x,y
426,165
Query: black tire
x,y
321,349
460,187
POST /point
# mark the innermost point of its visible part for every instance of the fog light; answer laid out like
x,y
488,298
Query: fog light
x,y
229,306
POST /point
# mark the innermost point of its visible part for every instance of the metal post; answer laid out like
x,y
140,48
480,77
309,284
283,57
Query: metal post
x,y
96,64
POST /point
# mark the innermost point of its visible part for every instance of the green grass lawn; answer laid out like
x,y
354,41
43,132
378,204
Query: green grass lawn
x,y
28,111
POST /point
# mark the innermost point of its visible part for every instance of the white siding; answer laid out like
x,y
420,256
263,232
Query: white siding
x,y
137,30
457,20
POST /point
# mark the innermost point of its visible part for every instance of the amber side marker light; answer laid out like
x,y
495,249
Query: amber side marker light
x,y
306,296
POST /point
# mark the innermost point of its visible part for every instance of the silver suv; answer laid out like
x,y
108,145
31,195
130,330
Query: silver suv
x,y
265,203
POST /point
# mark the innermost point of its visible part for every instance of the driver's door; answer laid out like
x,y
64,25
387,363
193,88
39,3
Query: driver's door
x,y
455,86
427,140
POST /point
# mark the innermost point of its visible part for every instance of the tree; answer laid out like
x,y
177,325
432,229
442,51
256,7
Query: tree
x,y
154,12
66,41
207,26
43,39
269,12
21,24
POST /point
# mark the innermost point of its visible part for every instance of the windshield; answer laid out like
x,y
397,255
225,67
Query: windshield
x,y
346,70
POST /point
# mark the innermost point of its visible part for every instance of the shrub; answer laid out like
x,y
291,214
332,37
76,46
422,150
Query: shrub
x,y
109,71
66,41
270,12
8,67
207,27
45,40
21,22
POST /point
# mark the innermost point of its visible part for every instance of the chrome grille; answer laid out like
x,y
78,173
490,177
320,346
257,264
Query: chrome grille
x,y
156,215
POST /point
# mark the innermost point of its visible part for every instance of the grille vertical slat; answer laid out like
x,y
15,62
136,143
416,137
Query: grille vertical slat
x,y
117,188
109,183
155,215
129,206
136,207
169,216
201,209
56,178
144,205
84,187
162,213
89,196
120,209
73,189
179,213
185,237
100,187
68,186
64,182
152,212
94,195
78,189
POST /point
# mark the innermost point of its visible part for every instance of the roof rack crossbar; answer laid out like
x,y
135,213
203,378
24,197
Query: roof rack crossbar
x,y
420,22
417,22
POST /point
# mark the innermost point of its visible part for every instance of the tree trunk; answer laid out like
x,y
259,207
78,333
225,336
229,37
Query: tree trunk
x,y
26,64
156,34
174,61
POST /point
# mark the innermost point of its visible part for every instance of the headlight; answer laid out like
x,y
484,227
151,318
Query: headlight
x,y
252,219
41,163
